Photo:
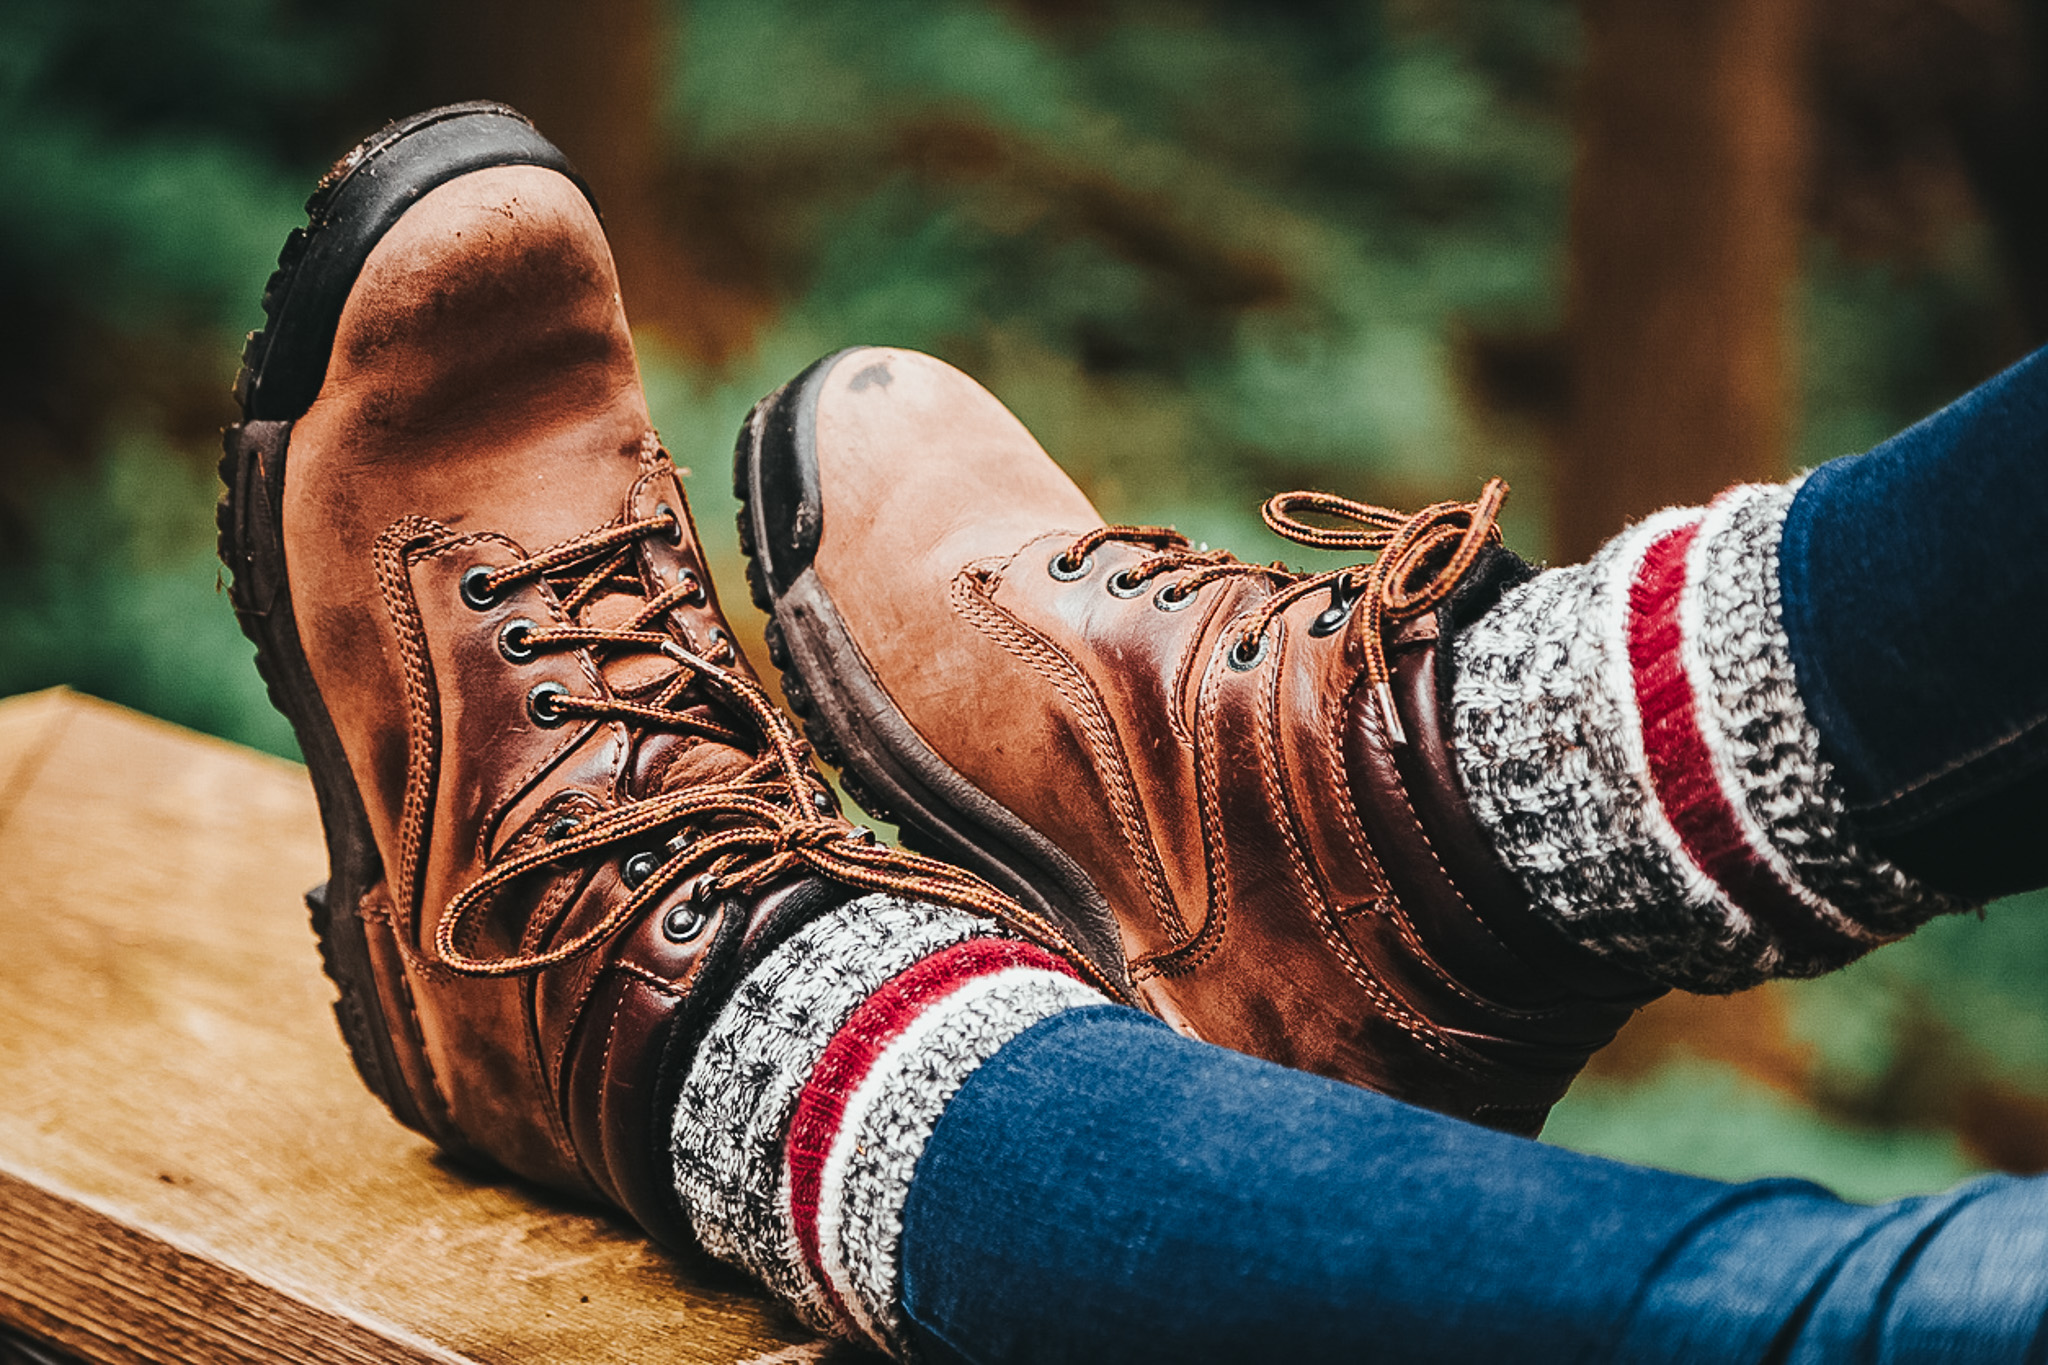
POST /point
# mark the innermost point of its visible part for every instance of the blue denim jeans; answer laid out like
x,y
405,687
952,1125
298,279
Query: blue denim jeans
x,y
1915,589
1105,1189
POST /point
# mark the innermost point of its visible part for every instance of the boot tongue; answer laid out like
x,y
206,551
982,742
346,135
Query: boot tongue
x,y
628,673
663,761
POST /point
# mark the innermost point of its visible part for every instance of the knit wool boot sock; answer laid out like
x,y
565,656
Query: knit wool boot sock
x,y
811,1097
1631,733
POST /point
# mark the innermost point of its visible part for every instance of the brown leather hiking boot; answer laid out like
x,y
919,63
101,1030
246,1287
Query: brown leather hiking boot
x,y
561,814
1228,783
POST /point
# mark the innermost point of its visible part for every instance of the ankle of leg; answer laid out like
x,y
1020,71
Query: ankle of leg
x,y
800,1123
1631,732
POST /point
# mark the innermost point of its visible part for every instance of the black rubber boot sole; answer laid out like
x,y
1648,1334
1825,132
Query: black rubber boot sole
x,y
847,713
283,366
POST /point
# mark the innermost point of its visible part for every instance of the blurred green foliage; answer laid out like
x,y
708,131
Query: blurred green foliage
x,y
1206,250
1926,1060
1708,1119
143,195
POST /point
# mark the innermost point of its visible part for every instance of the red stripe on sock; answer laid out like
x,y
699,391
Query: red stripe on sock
x,y
1682,767
851,1054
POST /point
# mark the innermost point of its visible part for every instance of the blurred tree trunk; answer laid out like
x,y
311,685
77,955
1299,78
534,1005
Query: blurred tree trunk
x,y
1684,244
593,76
2001,134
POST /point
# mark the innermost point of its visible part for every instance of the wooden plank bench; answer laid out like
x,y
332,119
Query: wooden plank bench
x,y
189,1168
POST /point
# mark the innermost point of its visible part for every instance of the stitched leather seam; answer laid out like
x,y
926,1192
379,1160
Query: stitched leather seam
x,y
654,465
418,554
652,456
1412,1024
1177,704
643,553
1320,907
392,549
518,785
1406,927
1058,668
559,1057
1190,953
650,573
561,1053
561,890
660,983
1422,954
617,738
537,1073
1331,736
1315,892
604,1071
537,1077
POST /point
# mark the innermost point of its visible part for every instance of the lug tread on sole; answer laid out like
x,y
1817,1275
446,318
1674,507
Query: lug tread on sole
x,y
352,1014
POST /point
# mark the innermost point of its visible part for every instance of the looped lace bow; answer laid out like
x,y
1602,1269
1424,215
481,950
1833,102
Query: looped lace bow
x,y
732,837
1419,560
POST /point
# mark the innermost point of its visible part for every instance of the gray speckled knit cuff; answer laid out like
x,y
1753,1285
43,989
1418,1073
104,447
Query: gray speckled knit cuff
x,y
1631,732
801,1121
865,1170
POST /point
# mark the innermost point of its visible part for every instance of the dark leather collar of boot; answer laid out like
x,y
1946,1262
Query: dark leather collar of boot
x,y
1485,932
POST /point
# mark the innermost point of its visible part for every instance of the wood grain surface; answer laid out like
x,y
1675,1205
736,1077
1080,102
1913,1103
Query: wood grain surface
x,y
189,1168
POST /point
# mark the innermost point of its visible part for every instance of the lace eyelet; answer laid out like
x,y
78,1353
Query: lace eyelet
x,y
541,706
1173,598
1066,570
696,596
683,921
721,649
637,868
514,641
1245,660
824,802
561,827
477,593
674,534
686,919
1331,619
1122,584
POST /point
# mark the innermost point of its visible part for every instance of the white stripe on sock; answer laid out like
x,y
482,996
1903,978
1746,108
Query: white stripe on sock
x,y
1721,754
